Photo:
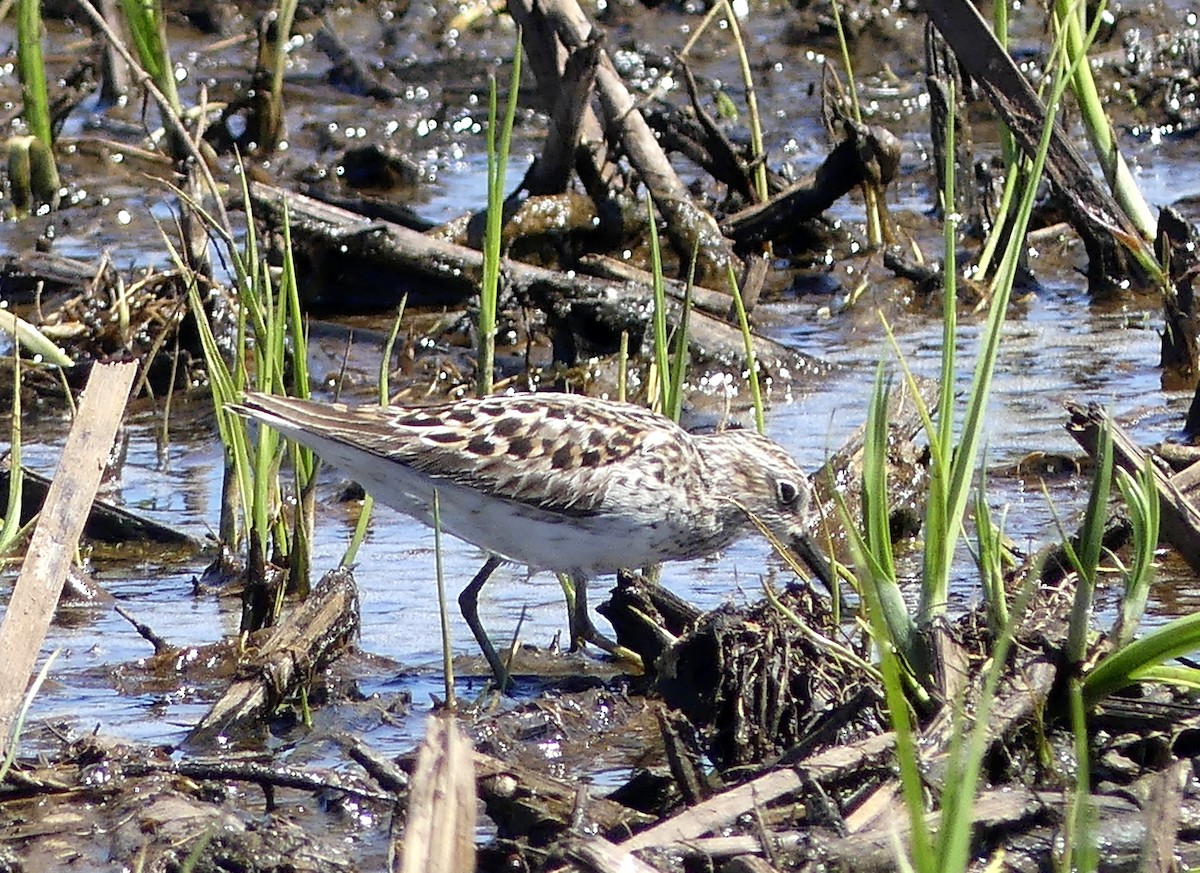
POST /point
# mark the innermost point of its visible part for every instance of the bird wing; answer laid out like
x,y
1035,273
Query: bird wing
x,y
560,453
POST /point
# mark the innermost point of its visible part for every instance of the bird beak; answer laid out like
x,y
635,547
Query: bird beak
x,y
805,548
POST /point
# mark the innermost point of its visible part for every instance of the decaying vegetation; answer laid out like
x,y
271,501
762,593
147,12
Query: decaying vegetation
x,y
850,719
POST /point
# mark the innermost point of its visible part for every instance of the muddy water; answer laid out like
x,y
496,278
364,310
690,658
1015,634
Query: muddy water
x,y
1058,345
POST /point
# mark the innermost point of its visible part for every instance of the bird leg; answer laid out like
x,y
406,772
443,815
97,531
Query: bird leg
x,y
582,629
468,602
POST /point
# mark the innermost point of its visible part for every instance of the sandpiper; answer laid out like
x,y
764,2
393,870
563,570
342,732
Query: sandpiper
x,y
559,482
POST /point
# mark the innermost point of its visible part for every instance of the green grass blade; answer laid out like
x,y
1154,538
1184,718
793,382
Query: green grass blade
x,y
660,400
489,289
1144,508
1091,545
11,529
1174,639
32,71
760,421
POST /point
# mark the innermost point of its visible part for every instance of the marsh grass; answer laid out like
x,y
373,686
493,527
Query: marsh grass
x,y
756,395
498,150
1070,18
954,446
269,344
955,443
668,372
18,724
1086,560
33,172
147,26
270,112
10,528
873,196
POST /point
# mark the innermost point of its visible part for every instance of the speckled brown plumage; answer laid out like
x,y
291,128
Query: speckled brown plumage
x,y
556,481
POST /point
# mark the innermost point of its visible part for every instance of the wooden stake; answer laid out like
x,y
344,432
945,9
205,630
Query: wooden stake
x,y
52,546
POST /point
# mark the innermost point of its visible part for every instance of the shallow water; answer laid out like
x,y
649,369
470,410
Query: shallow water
x,y
1058,345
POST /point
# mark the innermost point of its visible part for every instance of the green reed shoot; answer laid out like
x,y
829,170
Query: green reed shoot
x,y
33,178
270,116
757,148
895,635
32,70
670,370
847,65
43,176
965,757
662,370
148,27
623,367
1013,161
250,510
756,396
872,553
681,357
489,289
953,463
1069,16
304,464
874,559
10,530
18,725
1091,544
872,195
196,853
1144,509
1079,851
1145,660
990,557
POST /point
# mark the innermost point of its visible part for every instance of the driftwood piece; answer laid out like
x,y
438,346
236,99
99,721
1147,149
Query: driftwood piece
x,y
548,58
1161,815
25,274
379,767
51,548
724,809
294,651
689,226
1180,517
601,856
524,802
550,173
876,848
865,152
715,303
1097,218
439,835
336,241
1176,247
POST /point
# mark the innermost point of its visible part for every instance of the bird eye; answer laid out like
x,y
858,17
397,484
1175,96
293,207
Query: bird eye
x,y
788,492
